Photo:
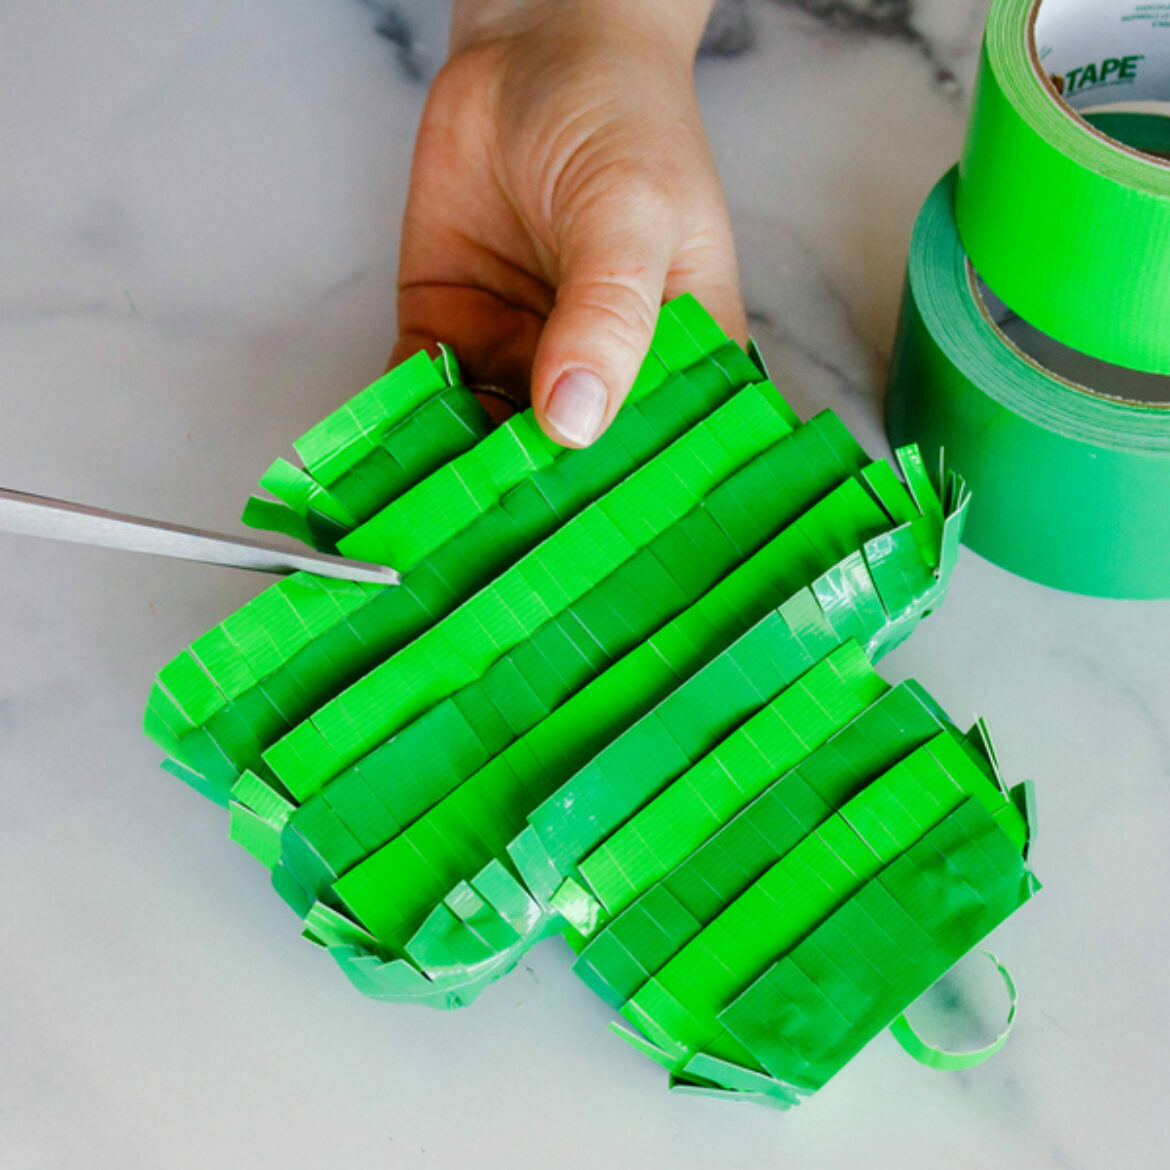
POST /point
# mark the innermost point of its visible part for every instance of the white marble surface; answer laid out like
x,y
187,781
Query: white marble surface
x,y
198,216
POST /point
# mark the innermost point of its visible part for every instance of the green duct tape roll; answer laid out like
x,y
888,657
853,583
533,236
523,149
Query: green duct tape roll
x,y
1071,488
1069,227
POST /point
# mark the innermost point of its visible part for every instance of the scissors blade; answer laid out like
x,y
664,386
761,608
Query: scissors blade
x,y
31,515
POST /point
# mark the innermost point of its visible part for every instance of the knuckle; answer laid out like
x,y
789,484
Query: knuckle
x,y
623,305
463,91
638,193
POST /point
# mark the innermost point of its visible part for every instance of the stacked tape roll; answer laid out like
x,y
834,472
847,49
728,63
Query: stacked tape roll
x,y
1035,328
695,599
1068,226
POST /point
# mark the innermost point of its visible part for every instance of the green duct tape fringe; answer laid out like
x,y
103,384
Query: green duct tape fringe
x,y
599,663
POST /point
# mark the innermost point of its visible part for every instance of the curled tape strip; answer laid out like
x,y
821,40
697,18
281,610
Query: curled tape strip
x,y
934,1057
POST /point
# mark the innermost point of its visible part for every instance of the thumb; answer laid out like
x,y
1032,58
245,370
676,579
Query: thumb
x,y
613,270
409,344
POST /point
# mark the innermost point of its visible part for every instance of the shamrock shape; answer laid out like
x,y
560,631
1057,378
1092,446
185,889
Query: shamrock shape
x,y
624,694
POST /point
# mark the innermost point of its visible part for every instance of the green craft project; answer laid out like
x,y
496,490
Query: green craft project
x,y
624,694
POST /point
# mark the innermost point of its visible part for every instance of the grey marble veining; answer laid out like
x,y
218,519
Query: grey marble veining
x,y
898,21
199,207
418,33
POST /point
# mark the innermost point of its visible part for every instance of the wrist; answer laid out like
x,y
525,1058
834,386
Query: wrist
x,y
674,24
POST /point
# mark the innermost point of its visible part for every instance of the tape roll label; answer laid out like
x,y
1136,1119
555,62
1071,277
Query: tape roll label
x,y
1100,51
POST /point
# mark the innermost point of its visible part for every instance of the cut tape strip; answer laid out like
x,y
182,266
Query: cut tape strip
x,y
934,1057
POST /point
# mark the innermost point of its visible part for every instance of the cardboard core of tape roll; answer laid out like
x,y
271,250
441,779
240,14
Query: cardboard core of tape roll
x,y
1089,375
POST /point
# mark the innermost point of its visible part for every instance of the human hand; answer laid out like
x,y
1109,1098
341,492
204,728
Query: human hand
x,y
562,188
